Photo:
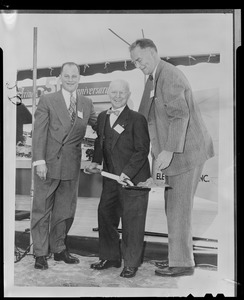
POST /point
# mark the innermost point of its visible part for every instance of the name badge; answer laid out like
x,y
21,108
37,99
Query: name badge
x,y
152,93
80,114
119,128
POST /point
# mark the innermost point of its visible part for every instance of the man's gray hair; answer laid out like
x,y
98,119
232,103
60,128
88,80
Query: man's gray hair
x,y
125,83
143,43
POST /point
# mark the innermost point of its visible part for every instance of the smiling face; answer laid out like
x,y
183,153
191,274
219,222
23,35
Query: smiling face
x,y
144,59
118,93
70,77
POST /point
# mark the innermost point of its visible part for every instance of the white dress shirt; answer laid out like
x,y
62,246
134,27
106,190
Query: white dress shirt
x,y
66,95
113,117
153,74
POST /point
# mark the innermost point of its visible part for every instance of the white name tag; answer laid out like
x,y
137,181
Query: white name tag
x,y
80,114
152,94
119,128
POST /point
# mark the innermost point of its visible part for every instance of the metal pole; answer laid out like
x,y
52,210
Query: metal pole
x,y
33,112
142,33
152,233
119,36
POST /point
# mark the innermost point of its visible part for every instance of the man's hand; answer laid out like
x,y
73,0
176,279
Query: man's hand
x,y
41,171
92,168
92,165
164,159
122,179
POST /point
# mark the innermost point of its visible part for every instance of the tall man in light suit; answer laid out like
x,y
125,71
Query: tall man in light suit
x,y
180,145
122,146
61,120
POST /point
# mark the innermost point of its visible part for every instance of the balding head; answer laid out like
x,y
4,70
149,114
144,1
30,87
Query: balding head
x,y
121,83
119,93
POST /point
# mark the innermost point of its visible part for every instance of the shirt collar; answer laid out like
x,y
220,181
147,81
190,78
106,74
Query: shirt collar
x,y
67,94
154,71
119,109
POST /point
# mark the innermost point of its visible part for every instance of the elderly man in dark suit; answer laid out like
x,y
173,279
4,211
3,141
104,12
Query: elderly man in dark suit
x,y
122,146
61,120
180,146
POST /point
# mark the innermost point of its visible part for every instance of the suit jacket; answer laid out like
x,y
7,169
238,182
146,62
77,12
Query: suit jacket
x,y
175,123
55,140
130,148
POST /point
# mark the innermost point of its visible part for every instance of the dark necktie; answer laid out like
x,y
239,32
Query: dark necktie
x,y
146,100
72,108
111,111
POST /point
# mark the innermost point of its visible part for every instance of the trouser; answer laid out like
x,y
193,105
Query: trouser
x,y
131,206
53,211
178,208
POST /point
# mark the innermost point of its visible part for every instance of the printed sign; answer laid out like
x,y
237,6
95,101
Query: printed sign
x,y
87,89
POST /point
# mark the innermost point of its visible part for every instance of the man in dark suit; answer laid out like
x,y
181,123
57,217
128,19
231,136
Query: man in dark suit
x,y
61,120
180,146
122,146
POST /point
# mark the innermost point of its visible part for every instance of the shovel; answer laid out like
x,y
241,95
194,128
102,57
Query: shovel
x,y
128,184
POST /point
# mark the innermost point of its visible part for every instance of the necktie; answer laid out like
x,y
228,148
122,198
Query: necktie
x,y
111,111
146,101
72,108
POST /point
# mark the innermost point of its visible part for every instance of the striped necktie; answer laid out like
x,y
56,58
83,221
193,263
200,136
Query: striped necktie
x,y
146,100
72,108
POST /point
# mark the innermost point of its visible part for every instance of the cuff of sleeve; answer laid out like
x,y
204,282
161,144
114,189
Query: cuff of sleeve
x,y
39,162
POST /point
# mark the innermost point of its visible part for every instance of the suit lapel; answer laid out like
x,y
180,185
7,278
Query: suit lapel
x,y
146,101
122,121
102,127
81,106
158,71
61,110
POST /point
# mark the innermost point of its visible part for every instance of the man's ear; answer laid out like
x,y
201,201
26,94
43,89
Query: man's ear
x,y
153,52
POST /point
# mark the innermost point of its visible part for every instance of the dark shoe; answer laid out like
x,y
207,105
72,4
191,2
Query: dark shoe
x,y
41,263
175,271
129,272
66,257
162,264
105,264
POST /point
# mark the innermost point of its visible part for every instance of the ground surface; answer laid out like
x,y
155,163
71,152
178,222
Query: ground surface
x,y
81,280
